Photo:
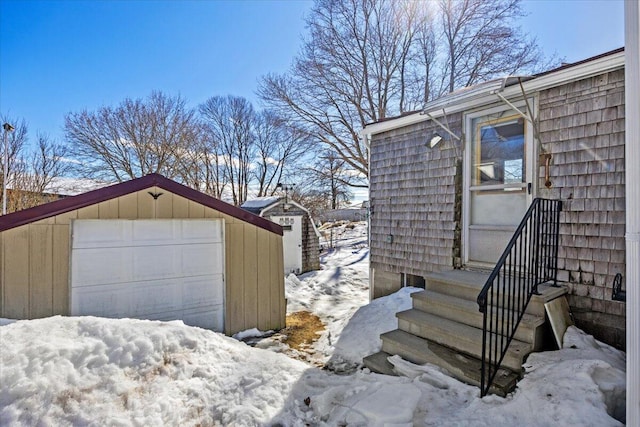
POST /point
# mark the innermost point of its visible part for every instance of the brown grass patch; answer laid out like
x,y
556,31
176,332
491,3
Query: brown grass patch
x,y
302,329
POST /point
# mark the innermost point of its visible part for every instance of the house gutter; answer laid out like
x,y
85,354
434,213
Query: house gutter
x,y
632,172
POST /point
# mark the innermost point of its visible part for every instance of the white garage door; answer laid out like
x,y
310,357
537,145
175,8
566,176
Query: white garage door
x,y
149,269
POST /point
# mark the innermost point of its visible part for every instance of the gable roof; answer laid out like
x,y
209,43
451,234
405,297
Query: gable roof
x,y
259,203
68,204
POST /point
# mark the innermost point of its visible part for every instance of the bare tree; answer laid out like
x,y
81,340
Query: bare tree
x,y
201,166
482,42
328,176
365,60
349,73
278,147
32,172
134,139
230,122
36,173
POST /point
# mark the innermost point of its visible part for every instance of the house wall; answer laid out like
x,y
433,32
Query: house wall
x,y
582,127
413,204
310,241
34,261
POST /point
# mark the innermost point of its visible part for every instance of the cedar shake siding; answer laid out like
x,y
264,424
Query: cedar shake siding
x,y
415,192
413,204
582,127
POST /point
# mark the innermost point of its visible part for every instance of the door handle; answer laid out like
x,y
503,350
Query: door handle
x,y
528,188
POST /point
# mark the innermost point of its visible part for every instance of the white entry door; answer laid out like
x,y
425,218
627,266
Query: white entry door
x,y
498,178
291,242
149,269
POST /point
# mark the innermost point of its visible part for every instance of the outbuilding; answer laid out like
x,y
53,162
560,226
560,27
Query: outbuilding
x,y
147,248
301,239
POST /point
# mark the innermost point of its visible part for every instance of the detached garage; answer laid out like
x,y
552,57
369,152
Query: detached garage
x,y
148,248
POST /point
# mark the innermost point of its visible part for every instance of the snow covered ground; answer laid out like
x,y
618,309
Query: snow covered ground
x,y
93,371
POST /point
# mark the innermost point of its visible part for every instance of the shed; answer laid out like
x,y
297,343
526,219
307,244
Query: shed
x,y
301,239
147,248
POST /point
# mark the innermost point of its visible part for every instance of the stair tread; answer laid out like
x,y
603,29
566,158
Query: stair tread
x,y
528,320
462,332
463,367
471,279
379,362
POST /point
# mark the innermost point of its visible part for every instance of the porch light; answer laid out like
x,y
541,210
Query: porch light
x,y
434,140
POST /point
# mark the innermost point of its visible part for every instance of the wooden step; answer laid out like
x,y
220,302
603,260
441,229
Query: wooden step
x,y
458,336
530,329
467,285
379,362
462,367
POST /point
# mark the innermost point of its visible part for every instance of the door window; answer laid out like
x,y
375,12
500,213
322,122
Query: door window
x,y
499,154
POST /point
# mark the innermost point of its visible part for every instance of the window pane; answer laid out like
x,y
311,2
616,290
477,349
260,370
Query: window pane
x,y
498,154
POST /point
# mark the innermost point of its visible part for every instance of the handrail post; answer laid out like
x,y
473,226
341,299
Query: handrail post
x,y
530,258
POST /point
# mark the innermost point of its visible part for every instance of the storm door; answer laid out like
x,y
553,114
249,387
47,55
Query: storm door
x,y
498,177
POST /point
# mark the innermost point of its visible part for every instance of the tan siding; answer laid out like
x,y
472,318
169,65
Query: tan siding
x,y
65,218
146,204
196,210
253,272
128,206
277,282
212,213
263,288
108,209
89,212
234,278
251,275
180,207
16,273
164,204
41,270
61,262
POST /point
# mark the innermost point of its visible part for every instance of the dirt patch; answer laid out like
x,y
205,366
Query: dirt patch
x,y
302,329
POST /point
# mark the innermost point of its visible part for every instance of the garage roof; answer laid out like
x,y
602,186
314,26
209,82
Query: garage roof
x,y
68,204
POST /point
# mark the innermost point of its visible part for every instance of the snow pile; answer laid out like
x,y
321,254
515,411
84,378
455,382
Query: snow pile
x,y
333,293
361,336
92,371
80,371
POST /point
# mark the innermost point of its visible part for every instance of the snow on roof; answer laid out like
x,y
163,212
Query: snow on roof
x,y
260,202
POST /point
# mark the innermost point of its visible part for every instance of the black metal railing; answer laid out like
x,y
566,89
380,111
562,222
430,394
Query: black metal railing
x,y
531,258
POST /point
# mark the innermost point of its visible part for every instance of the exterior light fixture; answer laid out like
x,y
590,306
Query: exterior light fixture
x,y
435,139
5,170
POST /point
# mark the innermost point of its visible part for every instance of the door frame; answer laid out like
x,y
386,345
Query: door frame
x,y
531,148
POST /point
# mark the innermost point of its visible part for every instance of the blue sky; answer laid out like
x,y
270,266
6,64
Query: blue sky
x,y
63,56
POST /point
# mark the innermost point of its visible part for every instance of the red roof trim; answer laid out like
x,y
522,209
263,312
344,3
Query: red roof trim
x,y
37,213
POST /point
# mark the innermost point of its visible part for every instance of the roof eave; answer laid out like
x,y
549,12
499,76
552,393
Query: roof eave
x,y
58,207
485,94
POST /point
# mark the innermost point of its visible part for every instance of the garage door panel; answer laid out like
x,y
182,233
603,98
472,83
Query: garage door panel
x,y
155,233
113,234
91,266
156,262
212,318
198,292
162,269
201,259
193,234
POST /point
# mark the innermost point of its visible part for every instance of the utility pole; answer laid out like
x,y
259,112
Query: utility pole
x,y
5,170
